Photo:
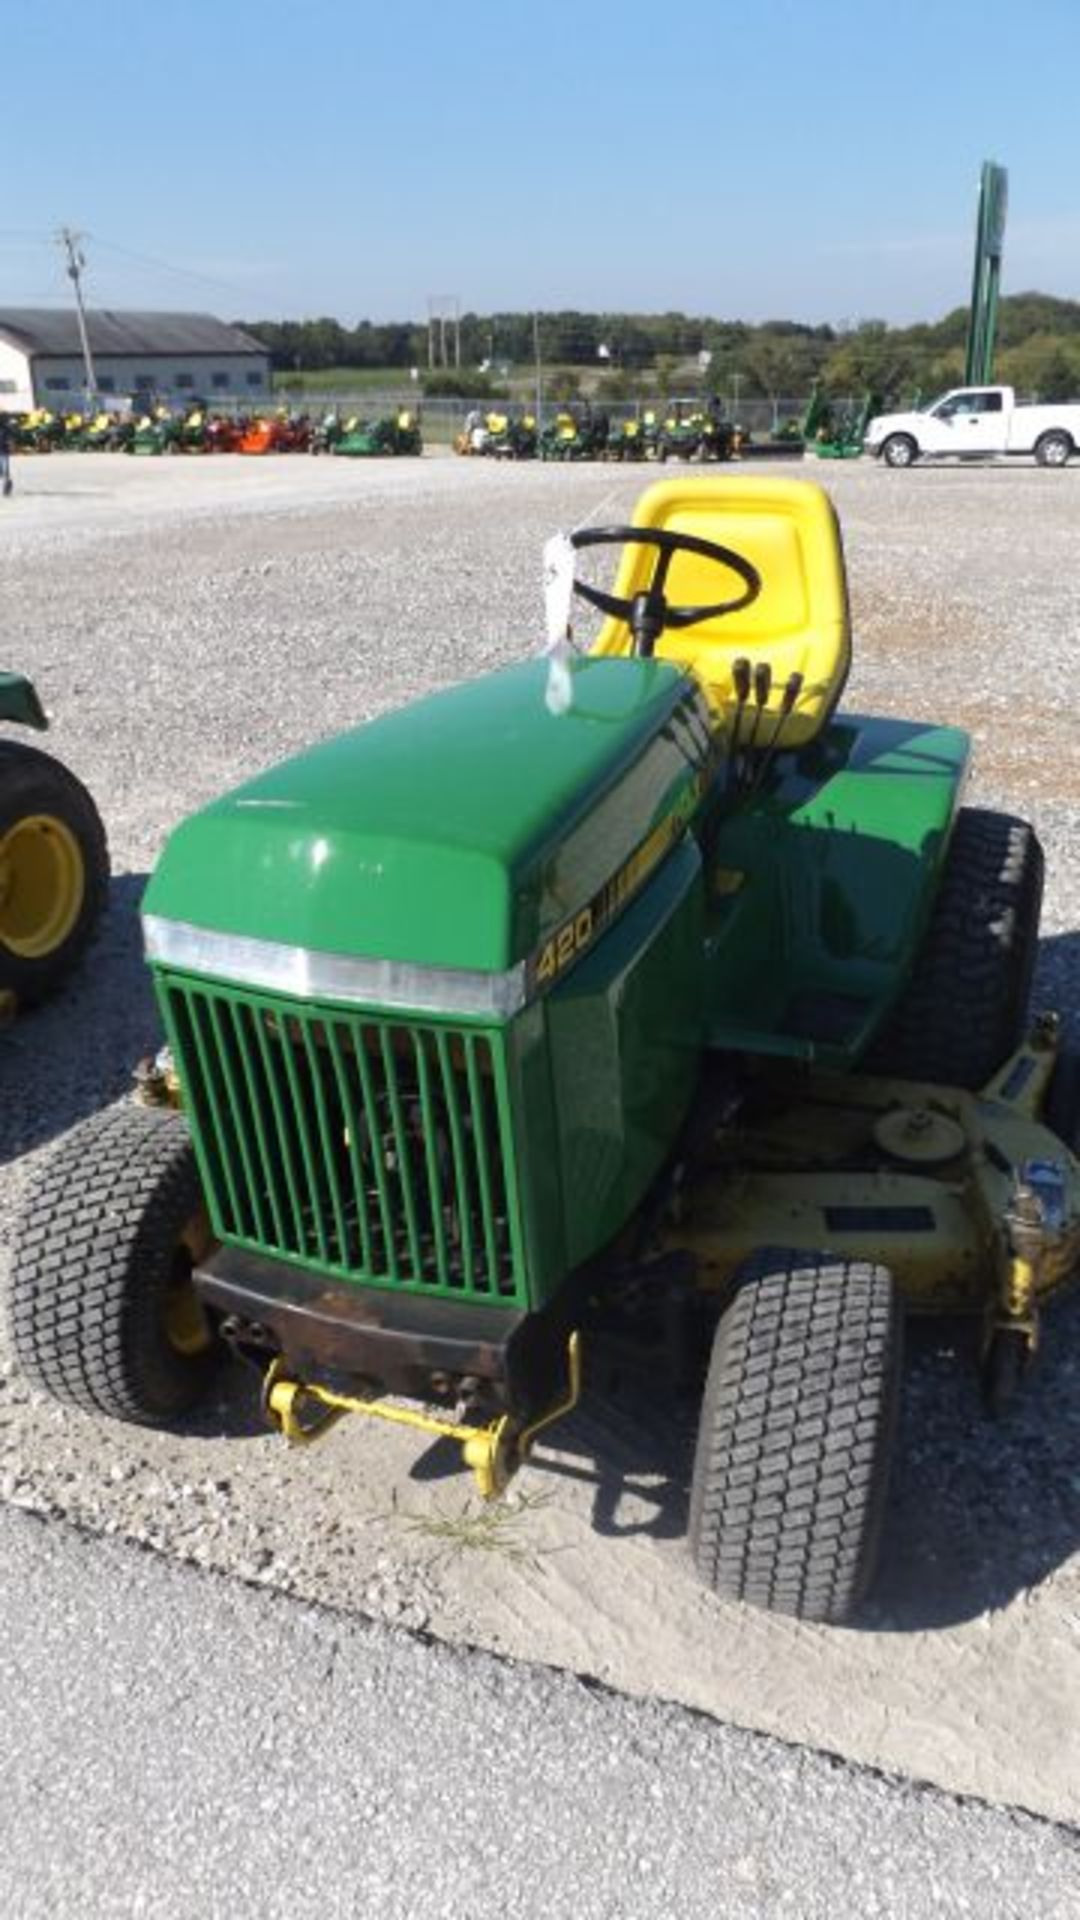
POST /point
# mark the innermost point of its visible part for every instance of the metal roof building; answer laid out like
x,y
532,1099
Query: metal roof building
x,y
136,355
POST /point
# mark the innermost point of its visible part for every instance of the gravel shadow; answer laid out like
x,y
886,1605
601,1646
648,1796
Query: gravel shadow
x,y
980,1510
67,1059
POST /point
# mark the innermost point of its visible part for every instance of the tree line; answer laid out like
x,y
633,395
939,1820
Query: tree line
x,y
628,355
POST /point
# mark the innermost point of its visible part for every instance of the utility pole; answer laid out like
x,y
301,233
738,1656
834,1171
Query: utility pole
x,y
443,307
71,242
539,375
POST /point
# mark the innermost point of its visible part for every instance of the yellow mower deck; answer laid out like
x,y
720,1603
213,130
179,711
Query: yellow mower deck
x,y
969,1199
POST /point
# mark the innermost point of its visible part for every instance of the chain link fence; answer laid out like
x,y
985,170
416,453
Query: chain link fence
x,y
443,419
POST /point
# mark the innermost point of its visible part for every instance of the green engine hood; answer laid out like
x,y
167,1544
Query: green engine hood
x,y
459,832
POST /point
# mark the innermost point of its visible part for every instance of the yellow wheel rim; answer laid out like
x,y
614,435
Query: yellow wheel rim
x,y
42,885
186,1326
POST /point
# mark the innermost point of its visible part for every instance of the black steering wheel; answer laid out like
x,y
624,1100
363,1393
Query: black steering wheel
x,y
648,614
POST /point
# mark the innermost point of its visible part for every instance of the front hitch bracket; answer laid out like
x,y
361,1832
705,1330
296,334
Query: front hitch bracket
x,y
303,1411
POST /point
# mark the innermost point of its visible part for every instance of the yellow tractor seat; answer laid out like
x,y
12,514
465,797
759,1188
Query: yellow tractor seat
x,y
798,627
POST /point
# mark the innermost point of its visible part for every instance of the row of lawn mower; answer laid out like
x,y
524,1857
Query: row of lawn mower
x,y
198,430
581,432
629,1010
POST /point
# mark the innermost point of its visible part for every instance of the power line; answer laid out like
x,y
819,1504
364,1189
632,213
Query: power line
x,y
165,266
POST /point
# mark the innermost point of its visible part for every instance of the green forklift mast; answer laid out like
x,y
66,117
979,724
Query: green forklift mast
x,y
989,244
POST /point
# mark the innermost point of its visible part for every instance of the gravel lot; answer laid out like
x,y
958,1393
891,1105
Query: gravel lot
x,y
188,622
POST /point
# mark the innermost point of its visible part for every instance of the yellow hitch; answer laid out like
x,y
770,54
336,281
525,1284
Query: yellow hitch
x,y
303,1411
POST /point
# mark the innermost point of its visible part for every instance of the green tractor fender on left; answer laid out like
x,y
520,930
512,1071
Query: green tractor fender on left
x,y
20,703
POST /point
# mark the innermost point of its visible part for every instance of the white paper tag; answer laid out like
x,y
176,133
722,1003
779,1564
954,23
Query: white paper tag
x,y
559,692
558,589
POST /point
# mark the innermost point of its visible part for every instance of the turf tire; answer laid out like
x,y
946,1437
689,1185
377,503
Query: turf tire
x,y
964,1008
92,1264
32,782
796,1435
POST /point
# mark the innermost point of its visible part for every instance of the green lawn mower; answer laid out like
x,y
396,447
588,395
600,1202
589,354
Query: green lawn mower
x,y
638,1001
155,433
626,441
680,436
54,863
398,433
839,433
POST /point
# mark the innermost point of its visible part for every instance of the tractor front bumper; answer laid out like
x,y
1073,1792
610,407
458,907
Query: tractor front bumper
x,y
335,1347
356,1338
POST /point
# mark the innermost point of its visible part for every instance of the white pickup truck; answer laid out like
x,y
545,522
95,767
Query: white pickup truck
x,y
975,422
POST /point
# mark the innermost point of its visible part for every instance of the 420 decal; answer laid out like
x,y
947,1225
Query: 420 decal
x,y
569,941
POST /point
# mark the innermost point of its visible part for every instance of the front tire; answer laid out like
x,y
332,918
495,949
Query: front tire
x,y
1054,449
54,871
965,1006
103,1312
796,1436
899,450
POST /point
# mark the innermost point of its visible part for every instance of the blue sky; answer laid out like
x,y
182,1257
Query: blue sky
x,y
762,159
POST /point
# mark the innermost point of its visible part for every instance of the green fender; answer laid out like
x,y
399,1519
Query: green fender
x,y
822,887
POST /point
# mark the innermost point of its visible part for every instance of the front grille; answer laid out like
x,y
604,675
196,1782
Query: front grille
x,y
373,1148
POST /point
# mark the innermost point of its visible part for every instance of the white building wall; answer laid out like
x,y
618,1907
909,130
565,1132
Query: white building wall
x,y
16,393
174,377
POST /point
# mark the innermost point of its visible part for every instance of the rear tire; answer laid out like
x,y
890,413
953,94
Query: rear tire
x,y
796,1436
899,450
103,1313
964,1008
1054,449
54,871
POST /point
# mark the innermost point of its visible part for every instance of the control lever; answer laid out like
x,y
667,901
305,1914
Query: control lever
x,y
740,680
762,690
793,686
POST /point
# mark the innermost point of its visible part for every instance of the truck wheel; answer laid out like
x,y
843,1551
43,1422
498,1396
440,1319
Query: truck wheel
x,y
1053,450
899,450
103,1312
964,1008
54,871
795,1442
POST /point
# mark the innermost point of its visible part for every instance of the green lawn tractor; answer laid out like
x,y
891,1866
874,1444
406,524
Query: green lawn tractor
x,y
626,441
634,1005
576,433
107,433
679,436
398,433
155,433
510,436
328,431
54,863
720,438
40,431
841,434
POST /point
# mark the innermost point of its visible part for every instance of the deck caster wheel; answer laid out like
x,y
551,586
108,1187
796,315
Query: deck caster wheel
x,y
1004,1369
